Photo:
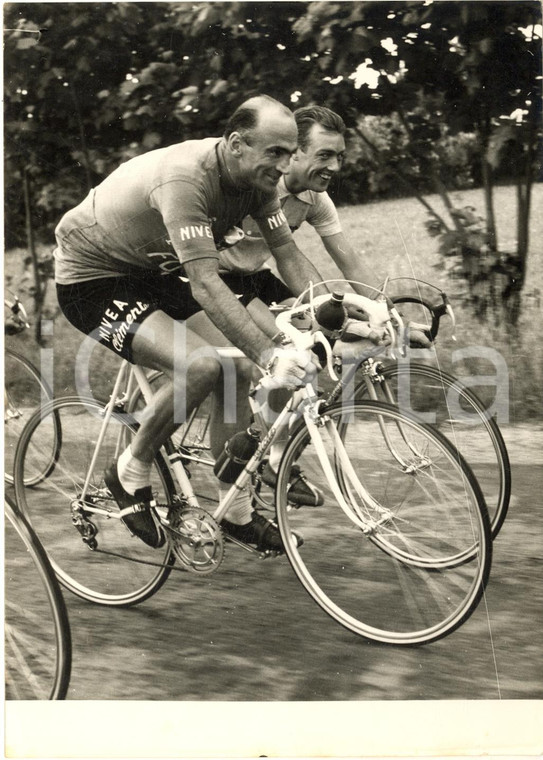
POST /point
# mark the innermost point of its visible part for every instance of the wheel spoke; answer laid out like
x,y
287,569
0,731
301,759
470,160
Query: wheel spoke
x,y
92,552
459,415
420,568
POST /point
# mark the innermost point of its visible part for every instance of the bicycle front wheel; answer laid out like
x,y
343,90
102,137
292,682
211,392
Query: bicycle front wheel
x,y
460,415
24,391
92,552
38,649
381,556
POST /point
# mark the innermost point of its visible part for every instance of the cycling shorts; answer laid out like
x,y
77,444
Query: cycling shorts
x,y
262,284
109,309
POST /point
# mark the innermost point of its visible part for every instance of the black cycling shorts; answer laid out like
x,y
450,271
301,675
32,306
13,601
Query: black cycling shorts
x,y
263,285
111,308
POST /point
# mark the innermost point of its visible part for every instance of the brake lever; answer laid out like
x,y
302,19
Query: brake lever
x,y
440,311
450,312
319,337
19,311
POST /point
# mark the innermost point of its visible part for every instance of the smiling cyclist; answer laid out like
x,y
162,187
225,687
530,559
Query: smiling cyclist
x,y
303,195
141,253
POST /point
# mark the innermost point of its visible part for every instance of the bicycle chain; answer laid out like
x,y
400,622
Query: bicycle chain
x,y
194,537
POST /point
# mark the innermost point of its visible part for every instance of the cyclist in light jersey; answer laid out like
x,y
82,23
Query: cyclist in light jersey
x,y
303,198
141,253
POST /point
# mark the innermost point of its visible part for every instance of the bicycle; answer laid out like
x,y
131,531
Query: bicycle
x,y
399,553
24,391
455,409
38,649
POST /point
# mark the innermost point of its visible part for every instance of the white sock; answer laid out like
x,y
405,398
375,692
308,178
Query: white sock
x,y
239,512
280,442
276,452
132,472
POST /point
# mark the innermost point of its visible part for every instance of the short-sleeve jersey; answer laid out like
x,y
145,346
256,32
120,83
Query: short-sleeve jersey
x,y
252,252
161,210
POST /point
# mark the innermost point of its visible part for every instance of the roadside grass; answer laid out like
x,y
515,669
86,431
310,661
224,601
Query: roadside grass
x,y
392,237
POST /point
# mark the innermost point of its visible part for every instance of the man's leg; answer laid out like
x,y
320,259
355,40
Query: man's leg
x,y
241,521
301,490
230,410
162,344
154,346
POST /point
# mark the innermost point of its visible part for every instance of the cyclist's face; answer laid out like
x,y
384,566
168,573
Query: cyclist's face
x,y
266,152
314,167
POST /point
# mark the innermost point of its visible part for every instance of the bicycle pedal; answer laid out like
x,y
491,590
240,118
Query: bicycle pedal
x,y
270,554
252,549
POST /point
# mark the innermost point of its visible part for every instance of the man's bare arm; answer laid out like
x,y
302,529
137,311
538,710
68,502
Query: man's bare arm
x,y
295,268
224,309
351,264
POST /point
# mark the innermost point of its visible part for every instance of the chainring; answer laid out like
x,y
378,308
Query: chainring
x,y
195,537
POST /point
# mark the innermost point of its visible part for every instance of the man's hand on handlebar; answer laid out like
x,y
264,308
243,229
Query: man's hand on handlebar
x,y
418,335
360,341
356,330
291,368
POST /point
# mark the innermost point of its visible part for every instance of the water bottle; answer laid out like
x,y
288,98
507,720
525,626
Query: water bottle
x,y
236,453
331,315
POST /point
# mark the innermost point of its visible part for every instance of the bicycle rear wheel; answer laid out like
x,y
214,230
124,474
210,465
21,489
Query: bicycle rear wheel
x,y
24,390
418,567
91,551
460,415
38,649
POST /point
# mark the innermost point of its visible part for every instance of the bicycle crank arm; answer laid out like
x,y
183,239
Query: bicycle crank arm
x,y
252,550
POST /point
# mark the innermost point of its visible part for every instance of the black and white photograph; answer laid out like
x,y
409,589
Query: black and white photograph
x,y
273,370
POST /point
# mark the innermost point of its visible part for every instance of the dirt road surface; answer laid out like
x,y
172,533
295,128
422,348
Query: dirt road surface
x,y
251,634
250,631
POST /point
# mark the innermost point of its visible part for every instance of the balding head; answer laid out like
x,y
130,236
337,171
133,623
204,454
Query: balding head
x,y
254,112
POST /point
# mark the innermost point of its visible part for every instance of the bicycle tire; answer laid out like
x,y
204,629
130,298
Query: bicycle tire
x,y
25,390
394,585
120,570
38,657
462,417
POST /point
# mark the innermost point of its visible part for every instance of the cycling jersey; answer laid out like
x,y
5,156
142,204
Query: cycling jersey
x,y
252,252
159,211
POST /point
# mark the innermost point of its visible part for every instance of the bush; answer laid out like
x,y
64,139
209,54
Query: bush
x,y
372,172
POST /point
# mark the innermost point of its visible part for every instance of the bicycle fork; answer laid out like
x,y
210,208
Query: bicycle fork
x,y
357,509
372,378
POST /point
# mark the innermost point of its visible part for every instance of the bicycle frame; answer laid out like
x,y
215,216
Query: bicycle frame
x,y
417,525
304,400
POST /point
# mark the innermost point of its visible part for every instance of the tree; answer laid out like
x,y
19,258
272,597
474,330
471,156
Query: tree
x,y
60,124
106,81
63,130
100,82
446,68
